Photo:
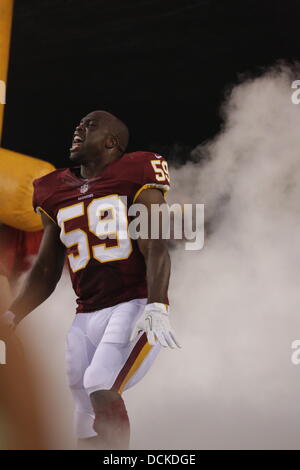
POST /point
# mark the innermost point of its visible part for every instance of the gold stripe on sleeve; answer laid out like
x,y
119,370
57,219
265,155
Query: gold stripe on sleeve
x,y
39,209
163,187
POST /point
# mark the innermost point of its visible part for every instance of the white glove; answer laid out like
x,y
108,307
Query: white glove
x,y
7,320
155,322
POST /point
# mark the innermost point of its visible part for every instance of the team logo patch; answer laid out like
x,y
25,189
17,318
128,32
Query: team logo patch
x,y
84,188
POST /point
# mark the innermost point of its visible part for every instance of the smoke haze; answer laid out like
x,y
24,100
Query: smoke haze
x,y
235,304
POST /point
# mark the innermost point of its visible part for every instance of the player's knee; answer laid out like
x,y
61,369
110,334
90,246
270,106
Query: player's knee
x,y
100,398
95,387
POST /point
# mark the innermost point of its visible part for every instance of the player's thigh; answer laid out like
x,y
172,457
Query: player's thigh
x,y
78,355
122,321
117,366
83,337
117,359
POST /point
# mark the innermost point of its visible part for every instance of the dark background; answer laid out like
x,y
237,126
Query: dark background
x,y
163,66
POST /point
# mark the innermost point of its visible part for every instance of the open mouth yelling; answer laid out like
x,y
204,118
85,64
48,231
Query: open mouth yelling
x,y
77,142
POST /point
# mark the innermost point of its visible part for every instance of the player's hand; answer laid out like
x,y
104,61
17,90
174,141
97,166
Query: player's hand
x,y
155,322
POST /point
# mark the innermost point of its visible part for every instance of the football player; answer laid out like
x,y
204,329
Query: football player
x,y
121,284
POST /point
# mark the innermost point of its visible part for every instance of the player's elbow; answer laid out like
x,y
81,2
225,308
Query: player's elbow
x,y
52,278
48,275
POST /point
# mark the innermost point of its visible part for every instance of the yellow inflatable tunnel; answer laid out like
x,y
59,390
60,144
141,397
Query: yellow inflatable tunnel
x,y
16,175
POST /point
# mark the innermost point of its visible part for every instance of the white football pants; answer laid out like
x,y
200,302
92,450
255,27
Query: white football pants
x,y
99,356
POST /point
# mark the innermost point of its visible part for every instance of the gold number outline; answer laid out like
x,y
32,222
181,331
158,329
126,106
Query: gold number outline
x,y
90,229
71,255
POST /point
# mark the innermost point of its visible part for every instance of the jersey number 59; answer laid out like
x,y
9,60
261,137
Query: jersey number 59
x,y
113,225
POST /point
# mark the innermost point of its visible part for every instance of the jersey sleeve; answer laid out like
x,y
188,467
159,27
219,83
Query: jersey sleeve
x,y
41,200
154,174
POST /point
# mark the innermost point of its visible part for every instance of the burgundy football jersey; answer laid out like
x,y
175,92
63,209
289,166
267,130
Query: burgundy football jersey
x,y
105,264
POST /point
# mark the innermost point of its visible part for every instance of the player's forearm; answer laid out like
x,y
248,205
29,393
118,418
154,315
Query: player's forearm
x,y
158,265
39,285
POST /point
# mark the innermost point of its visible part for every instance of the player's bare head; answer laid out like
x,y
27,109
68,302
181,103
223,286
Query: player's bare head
x,y
99,133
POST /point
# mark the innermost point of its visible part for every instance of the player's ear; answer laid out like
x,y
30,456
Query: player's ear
x,y
111,141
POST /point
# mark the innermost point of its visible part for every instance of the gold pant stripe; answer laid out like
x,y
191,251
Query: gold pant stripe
x,y
144,351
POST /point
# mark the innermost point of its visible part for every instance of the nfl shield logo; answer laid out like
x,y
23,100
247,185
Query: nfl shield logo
x,y
84,188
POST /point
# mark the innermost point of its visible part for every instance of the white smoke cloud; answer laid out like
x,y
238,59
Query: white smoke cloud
x,y
235,304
